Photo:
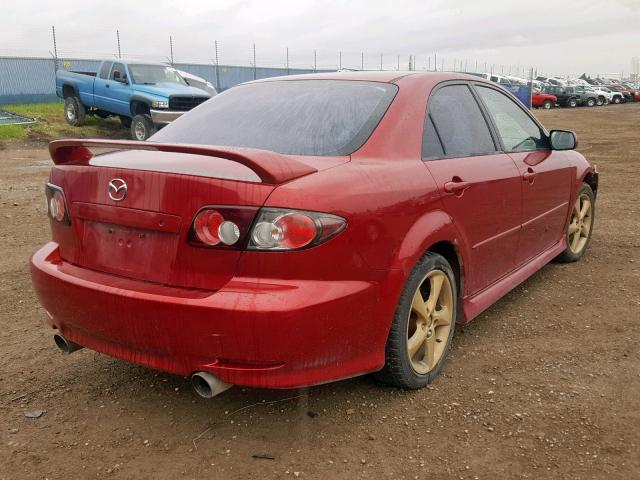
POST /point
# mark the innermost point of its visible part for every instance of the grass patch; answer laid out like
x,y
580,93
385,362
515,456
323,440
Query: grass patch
x,y
8,132
51,125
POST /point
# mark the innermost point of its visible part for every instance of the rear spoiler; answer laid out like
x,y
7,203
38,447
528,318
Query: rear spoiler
x,y
272,168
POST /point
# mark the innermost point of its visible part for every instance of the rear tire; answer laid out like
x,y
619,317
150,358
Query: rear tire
x,y
578,234
617,100
601,101
142,127
591,102
423,325
74,111
547,105
572,103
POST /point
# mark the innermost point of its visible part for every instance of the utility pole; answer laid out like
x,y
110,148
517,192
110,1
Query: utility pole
x,y
398,62
171,48
435,62
362,61
380,61
55,47
215,44
288,61
315,61
340,61
118,37
429,64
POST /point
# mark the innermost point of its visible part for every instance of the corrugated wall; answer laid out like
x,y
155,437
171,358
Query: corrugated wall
x,y
29,80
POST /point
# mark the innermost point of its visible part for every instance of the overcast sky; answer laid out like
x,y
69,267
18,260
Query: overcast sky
x,y
557,37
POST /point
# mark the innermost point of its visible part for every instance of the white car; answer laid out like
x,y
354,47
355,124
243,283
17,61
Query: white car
x,y
611,95
198,82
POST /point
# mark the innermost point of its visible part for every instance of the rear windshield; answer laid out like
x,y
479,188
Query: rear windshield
x,y
296,117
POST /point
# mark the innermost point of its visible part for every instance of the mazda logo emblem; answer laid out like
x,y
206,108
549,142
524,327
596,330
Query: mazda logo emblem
x,y
117,189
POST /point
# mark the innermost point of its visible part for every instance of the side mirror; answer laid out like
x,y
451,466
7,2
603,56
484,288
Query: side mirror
x,y
563,140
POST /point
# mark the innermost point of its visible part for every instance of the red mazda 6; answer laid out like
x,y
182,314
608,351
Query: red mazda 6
x,y
294,231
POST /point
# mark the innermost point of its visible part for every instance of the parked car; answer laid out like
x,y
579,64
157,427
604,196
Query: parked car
x,y
565,98
612,96
500,79
543,100
198,82
347,227
146,96
626,95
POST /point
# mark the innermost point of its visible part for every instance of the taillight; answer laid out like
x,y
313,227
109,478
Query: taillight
x,y
224,227
56,204
280,229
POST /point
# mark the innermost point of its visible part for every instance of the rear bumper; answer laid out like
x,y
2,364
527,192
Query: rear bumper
x,y
253,332
162,117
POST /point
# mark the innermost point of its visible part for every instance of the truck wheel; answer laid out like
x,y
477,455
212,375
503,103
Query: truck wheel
x,y
591,102
547,105
74,111
126,121
142,127
572,103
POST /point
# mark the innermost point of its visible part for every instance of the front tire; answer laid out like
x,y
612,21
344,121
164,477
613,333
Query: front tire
x,y
74,111
423,325
591,102
617,100
547,105
573,103
142,127
601,101
578,234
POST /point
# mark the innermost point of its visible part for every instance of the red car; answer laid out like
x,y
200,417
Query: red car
x,y
300,230
543,100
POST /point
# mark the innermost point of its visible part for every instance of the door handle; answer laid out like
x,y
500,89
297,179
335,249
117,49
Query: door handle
x,y
456,186
529,175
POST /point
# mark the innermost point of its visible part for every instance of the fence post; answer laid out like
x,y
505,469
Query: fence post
x,y
254,62
55,48
215,44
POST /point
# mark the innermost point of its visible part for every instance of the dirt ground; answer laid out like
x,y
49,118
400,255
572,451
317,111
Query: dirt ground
x,y
544,385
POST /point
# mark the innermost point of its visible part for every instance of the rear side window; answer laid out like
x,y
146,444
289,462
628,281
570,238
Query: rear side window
x,y
431,145
459,122
104,70
297,117
519,133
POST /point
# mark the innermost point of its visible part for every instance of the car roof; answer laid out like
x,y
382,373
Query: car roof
x,y
386,76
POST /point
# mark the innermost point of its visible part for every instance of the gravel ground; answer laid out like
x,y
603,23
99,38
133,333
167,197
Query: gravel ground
x,y
544,385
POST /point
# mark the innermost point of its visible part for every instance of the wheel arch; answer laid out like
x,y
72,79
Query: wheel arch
x,y
442,238
139,106
69,90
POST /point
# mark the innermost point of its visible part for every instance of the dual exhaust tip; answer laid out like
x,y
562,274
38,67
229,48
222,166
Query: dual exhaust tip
x,y
205,384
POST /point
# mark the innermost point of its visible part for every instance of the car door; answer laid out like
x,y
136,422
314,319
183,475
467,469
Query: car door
x,y
118,90
479,185
546,175
99,85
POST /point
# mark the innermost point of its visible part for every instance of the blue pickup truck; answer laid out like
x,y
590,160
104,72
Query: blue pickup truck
x,y
144,95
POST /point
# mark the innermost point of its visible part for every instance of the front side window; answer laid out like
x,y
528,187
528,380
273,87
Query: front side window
x,y
296,117
459,123
118,73
519,133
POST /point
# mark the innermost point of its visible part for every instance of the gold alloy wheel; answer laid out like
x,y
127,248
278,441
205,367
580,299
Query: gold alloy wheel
x,y
430,321
580,226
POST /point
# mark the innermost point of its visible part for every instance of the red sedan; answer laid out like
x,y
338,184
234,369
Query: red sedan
x,y
543,100
300,230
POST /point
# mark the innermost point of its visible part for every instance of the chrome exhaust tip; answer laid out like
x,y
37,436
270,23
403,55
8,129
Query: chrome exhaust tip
x,y
207,385
65,345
